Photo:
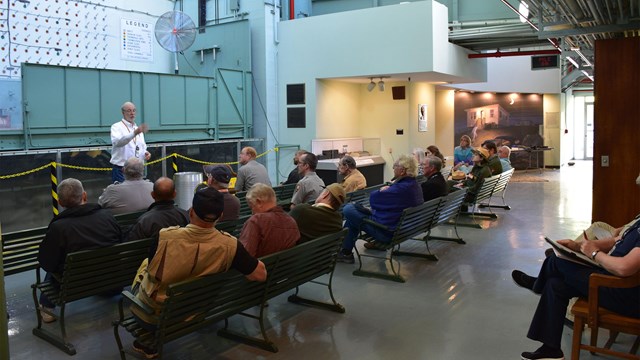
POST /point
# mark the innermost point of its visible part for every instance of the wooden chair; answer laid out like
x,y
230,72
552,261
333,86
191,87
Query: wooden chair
x,y
587,311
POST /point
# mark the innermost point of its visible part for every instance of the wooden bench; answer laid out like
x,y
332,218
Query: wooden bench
x,y
362,196
233,227
284,193
244,205
20,248
413,222
87,273
500,188
484,193
587,312
448,212
197,303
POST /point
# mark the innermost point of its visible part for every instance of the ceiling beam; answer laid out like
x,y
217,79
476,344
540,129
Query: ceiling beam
x,y
589,30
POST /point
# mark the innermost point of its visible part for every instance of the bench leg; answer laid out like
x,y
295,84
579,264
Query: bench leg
x,y
264,344
335,306
394,276
116,334
59,342
55,340
428,256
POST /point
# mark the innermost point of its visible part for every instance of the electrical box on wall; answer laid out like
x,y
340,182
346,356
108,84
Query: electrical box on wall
x,y
399,131
234,5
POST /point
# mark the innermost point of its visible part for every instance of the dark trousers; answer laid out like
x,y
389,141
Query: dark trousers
x,y
116,174
44,301
559,281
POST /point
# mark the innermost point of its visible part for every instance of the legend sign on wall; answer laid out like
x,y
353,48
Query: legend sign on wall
x,y
136,41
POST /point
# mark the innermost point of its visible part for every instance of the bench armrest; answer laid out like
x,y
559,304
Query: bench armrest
x,y
371,222
137,303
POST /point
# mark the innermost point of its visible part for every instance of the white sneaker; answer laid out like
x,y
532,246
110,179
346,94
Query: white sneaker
x,y
46,317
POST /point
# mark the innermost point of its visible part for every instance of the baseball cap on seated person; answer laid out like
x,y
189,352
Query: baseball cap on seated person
x,y
221,173
208,204
337,191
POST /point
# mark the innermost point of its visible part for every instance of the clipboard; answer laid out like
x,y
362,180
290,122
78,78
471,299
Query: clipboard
x,y
564,252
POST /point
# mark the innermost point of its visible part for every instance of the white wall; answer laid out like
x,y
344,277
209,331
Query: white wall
x,y
551,108
514,74
445,122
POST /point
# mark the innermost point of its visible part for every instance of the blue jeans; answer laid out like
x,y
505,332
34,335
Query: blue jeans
x,y
354,221
116,174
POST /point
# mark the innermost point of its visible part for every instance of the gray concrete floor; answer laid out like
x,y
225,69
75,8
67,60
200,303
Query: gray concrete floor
x,y
464,306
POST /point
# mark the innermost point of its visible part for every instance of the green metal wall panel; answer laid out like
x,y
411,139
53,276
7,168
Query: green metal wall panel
x,y
172,100
197,100
74,107
115,89
82,97
230,97
45,105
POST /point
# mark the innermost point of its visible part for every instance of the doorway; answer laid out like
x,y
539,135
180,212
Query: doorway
x,y
584,125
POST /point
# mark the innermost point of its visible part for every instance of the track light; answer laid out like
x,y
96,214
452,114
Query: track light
x,y
371,85
381,85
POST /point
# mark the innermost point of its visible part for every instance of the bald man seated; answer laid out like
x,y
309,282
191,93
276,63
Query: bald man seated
x,y
161,214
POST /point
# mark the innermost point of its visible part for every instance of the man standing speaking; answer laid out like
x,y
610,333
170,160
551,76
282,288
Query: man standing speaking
x,y
128,141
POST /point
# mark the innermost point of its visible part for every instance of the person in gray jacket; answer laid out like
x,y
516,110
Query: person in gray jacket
x,y
251,172
134,194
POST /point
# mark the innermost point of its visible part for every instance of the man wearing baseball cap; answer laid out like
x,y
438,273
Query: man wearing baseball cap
x,y
195,250
218,177
323,217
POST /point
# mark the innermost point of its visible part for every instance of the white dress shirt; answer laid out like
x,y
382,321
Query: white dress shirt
x,y
125,141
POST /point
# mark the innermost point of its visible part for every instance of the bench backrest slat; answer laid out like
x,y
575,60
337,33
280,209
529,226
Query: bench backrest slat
x,y
450,207
416,220
503,181
486,189
233,227
91,272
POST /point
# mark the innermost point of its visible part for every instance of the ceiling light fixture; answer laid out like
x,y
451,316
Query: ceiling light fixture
x,y
381,85
371,85
573,62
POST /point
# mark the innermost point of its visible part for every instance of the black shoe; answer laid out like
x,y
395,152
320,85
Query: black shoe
x,y
345,258
374,245
543,353
523,280
146,351
548,252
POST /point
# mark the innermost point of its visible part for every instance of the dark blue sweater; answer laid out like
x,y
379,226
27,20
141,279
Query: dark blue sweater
x,y
387,205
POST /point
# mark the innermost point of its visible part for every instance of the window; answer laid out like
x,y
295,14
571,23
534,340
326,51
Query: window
x,y
296,111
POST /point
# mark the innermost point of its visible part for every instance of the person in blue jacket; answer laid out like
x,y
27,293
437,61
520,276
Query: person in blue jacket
x,y
387,205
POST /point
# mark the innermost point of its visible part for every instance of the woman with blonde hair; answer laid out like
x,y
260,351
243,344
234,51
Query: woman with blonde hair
x,y
419,155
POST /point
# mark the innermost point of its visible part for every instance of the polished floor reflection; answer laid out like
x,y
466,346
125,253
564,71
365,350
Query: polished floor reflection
x,y
464,306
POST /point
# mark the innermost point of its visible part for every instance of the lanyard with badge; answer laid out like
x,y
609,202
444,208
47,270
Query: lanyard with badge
x,y
135,137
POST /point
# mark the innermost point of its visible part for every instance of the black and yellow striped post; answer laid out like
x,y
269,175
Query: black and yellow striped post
x,y
54,188
174,163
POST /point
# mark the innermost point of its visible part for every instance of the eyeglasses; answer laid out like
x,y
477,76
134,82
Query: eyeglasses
x,y
130,110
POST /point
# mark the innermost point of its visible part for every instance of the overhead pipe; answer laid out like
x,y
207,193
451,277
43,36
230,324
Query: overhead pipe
x,y
513,53
553,42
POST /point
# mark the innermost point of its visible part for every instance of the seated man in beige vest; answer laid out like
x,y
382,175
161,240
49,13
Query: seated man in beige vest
x,y
188,252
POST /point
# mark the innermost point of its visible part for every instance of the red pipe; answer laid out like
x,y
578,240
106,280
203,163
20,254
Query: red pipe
x,y
513,53
292,9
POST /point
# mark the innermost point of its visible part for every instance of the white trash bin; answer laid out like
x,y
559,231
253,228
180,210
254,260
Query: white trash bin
x,y
186,183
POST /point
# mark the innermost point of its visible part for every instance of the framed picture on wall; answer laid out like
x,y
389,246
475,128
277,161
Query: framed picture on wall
x,y
422,117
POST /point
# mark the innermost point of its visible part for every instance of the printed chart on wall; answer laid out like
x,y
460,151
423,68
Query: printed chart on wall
x,y
136,41
422,117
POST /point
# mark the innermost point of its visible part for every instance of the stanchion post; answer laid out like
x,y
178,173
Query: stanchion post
x,y
54,188
174,163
